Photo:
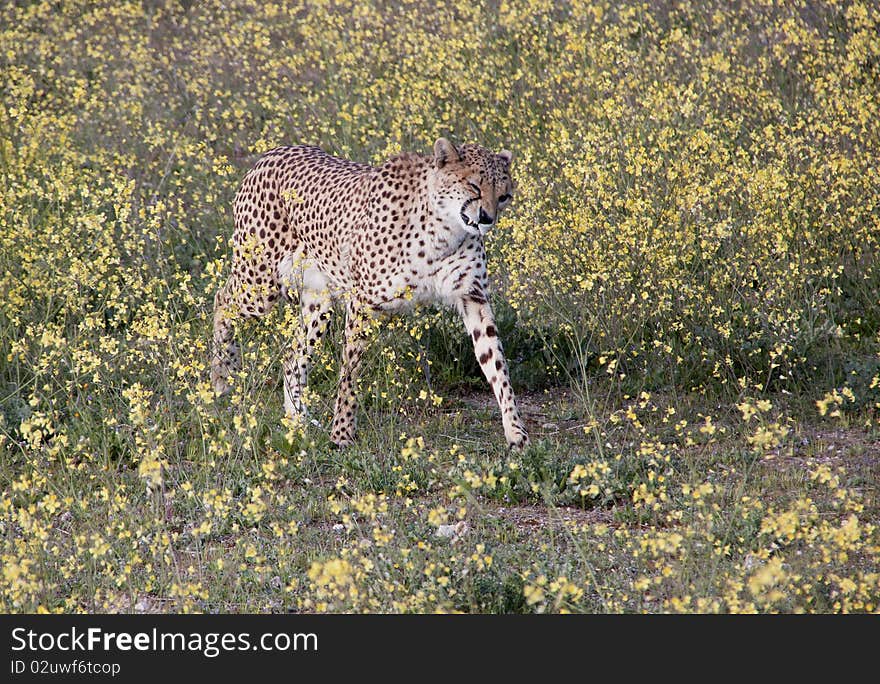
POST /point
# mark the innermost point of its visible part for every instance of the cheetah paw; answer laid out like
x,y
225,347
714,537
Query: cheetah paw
x,y
519,443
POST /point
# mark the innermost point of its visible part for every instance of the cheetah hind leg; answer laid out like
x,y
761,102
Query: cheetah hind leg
x,y
233,303
316,309
226,356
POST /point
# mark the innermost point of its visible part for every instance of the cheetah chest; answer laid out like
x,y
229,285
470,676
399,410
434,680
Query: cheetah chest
x,y
427,268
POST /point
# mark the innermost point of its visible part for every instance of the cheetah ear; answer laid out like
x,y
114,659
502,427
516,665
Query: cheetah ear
x,y
506,155
445,152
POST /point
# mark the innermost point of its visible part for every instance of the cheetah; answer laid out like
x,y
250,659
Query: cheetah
x,y
316,229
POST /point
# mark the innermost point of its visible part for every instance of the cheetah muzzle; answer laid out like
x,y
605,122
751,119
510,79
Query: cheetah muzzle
x,y
316,230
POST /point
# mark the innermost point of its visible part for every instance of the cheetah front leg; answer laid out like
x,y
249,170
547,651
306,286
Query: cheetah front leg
x,y
345,413
480,323
316,308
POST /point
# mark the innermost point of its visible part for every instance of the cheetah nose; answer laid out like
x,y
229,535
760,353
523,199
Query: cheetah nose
x,y
485,218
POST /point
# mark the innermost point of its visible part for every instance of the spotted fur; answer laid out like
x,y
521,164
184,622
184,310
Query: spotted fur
x,y
318,229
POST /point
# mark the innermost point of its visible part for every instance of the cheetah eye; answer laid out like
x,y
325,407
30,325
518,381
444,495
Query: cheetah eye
x,y
476,188
504,198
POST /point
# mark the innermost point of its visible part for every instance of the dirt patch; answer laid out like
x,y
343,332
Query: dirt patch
x,y
540,410
838,446
541,518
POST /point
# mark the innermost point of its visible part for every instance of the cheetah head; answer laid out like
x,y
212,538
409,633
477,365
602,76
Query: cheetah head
x,y
470,186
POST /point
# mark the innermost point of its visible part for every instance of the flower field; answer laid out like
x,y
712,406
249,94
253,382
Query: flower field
x,y
687,285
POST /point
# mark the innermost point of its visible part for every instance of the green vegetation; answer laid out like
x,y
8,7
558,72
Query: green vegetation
x,y
687,288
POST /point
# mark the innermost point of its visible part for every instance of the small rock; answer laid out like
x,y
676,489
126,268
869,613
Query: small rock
x,y
453,532
144,605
